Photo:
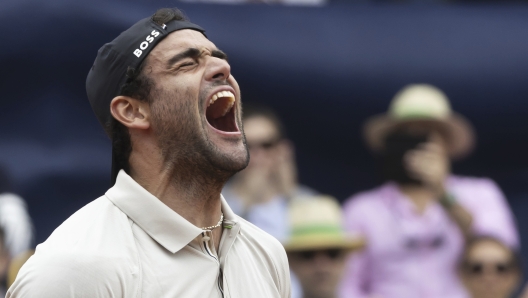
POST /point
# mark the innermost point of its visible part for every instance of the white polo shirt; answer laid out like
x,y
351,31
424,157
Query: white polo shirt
x,y
127,243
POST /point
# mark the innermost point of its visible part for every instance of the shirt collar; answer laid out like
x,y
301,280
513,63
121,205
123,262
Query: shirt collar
x,y
229,215
231,228
164,225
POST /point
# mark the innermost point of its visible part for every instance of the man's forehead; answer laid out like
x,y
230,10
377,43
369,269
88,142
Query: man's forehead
x,y
181,40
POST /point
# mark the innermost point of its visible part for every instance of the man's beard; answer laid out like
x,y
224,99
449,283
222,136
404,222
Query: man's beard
x,y
184,143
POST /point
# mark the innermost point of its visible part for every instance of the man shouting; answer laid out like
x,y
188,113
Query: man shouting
x,y
165,96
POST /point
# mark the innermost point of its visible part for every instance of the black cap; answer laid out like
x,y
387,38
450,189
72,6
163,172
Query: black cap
x,y
129,49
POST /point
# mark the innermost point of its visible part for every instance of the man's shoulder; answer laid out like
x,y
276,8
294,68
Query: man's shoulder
x,y
98,222
91,251
257,236
88,264
98,232
58,273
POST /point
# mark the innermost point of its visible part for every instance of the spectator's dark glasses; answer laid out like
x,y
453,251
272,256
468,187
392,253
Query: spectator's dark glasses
x,y
478,268
309,255
266,145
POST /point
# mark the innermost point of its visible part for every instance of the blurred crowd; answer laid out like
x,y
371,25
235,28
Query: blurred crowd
x,y
424,232
16,232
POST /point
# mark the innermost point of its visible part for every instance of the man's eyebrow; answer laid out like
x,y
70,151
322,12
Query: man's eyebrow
x,y
219,54
189,53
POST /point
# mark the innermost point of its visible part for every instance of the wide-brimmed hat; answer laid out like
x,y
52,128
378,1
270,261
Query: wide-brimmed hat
x,y
424,104
317,223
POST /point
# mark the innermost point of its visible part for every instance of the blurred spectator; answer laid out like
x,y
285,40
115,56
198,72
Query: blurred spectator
x,y
14,218
261,192
490,269
16,230
318,245
16,223
4,262
416,223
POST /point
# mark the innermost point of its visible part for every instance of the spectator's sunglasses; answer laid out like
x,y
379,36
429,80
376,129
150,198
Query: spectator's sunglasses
x,y
309,255
478,268
266,145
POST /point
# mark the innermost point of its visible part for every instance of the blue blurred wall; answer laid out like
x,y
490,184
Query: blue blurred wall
x,y
324,69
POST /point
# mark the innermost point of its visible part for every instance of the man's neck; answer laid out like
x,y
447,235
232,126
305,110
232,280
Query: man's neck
x,y
185,190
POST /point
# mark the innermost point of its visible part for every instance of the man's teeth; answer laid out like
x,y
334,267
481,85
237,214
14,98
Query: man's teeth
x,y
221,94
224,94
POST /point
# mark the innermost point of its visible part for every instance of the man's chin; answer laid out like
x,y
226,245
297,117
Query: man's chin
x,y
235,163
242,164
230,162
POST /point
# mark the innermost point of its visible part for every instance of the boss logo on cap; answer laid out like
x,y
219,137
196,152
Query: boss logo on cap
x,y
144,45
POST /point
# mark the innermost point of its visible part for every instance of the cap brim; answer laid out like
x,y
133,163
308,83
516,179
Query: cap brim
x,y
460,132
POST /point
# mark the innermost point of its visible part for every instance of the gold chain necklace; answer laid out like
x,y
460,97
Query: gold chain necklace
x,y
215,226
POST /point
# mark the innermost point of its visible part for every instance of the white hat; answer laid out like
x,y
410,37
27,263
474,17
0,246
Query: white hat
x,y
317,223
425,104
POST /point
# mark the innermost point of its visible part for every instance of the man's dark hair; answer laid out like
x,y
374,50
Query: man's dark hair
x,y
252,110
139,86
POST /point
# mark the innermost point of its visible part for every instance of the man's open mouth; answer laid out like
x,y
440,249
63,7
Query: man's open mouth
x,y
220,111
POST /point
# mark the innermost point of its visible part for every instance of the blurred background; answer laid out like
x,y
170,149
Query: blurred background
x,y
324,67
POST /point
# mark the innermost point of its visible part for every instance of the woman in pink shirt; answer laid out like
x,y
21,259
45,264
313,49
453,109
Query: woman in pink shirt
x,y
415,225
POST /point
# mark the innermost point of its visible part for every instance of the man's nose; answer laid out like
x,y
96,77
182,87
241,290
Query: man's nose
x,y
217,69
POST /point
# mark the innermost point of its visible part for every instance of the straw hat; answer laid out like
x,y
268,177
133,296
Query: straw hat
x,y
424,104
316,223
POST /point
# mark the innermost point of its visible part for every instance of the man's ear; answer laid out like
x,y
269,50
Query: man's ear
x,y
131,112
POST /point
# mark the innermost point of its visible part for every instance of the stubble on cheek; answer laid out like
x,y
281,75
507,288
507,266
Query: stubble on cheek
x,y
172,121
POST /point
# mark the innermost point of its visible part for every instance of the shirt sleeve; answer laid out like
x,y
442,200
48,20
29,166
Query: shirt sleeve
x,y
491,213
72,276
